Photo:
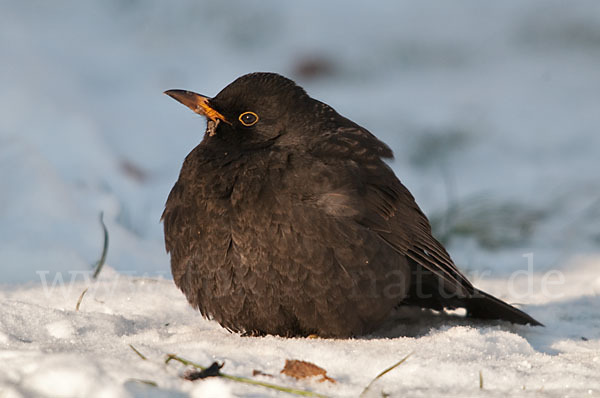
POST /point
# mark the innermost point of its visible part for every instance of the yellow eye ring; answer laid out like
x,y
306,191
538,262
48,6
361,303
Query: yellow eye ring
x,y
248,118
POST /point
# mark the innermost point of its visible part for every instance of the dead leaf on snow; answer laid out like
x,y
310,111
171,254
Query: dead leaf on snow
x,y
302,370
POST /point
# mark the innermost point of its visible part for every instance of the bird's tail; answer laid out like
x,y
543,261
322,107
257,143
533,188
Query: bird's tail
x,y
485,306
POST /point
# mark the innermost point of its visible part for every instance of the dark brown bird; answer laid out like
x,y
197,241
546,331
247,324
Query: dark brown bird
x,y
286,220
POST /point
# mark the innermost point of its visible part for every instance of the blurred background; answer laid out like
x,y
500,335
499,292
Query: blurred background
x,y
492,110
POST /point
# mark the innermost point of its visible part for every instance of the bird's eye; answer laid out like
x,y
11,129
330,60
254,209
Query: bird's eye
x,y
248,118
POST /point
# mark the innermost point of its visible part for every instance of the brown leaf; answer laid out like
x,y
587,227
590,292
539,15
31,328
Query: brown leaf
x,y
302,370
133,171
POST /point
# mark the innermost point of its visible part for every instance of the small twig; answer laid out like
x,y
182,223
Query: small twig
x,y
173,357
80,298
100,263
394,366
480,380
137,352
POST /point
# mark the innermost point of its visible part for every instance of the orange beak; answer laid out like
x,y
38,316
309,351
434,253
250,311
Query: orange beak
x,y
196,102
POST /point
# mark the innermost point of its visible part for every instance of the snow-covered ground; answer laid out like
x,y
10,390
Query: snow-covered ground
x,y
492,109
51,349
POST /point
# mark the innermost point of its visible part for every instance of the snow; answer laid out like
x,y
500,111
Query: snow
x,y
51,349
490,107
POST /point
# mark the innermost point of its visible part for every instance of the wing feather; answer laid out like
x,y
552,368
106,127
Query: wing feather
x,y
388,208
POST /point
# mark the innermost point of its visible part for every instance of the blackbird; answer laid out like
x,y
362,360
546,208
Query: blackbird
x,y
286,220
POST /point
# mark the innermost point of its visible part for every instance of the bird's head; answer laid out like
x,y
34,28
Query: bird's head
x,y
254,110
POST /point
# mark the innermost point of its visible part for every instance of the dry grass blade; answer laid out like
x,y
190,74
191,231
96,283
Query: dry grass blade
x,y
480,380
394,366
137,352
80,299
147,382
100,262
173,357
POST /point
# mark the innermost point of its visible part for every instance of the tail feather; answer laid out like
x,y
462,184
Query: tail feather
x,y
485,306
